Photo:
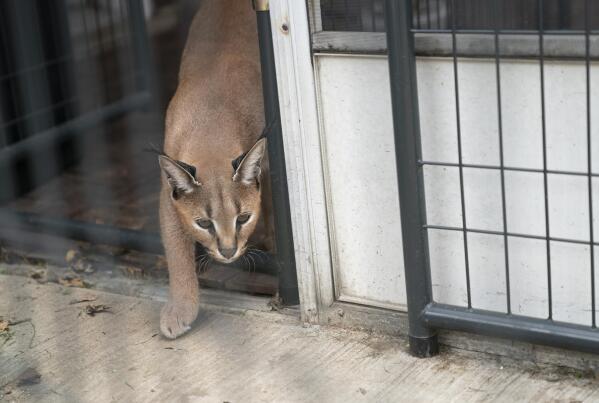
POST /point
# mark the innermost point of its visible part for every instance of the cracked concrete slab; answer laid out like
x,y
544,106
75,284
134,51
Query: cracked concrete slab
x,y
55,351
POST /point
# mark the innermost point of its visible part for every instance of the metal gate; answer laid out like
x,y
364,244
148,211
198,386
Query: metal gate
x,y
426,315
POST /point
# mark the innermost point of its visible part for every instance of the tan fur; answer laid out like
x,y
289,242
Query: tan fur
x,y
215,116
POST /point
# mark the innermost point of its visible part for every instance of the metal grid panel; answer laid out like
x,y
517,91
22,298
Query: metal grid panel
x,y
467,229
425,313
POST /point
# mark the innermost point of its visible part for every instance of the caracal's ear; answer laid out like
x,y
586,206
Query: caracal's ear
x,y
178,175
249,169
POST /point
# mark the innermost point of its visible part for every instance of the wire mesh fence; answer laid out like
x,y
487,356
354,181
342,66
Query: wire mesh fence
x,y
434,15
548,169
508,181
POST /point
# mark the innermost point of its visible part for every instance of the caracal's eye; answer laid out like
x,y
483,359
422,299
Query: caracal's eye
x,y
243,218
204,223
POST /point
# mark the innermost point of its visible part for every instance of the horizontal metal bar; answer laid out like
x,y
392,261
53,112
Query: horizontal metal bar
x,y
498,168
504,31
430,44
513,327
74,99
44,142
512,234
82,230
349,42
109,235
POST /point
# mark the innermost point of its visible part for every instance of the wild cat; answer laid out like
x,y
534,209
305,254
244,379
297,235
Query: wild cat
x,y
214,168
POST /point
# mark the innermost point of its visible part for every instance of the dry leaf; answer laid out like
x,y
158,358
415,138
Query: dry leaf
x,y
86,299
71,255
72,282
3,326
132,271
39,276
29,377
92,310
82,266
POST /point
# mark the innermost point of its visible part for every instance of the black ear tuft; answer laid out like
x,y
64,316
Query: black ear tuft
x,y
189,168
249,168
235,163
180,176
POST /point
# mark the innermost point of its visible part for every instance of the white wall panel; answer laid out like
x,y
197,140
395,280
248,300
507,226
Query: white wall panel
x,y
362,181
357,135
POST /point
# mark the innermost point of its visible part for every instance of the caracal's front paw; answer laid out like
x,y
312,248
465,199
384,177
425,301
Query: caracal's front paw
x,y
176,318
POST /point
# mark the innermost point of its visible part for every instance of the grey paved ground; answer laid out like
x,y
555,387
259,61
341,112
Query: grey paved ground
x,y
59,353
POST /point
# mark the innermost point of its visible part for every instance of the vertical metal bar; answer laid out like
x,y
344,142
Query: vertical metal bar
x,y
544,134
372,16
428,14
33,82
406,125
417,13
126,41
85,29
459,135
589,156
288,290
501,160
117,83
19,128
141,46
99,37
109,6
345,16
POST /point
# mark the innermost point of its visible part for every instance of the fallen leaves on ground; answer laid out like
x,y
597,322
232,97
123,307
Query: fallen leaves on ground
x,y
71,255
13,257
85,299
77,262
39,276
72,282
5,332
92,310
29,377
275,303
132,271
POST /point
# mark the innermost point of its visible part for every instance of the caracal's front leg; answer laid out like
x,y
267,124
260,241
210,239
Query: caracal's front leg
x,y
182,307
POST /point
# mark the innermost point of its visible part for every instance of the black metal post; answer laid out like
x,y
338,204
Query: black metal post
x,y
276,155
404,96
141,46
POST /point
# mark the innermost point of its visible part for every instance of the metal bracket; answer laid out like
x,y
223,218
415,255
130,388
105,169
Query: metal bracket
x,y
260,5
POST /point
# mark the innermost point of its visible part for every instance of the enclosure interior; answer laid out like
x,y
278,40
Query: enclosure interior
x,y
76,61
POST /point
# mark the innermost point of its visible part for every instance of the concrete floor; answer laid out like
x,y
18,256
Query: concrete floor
x,y
55,351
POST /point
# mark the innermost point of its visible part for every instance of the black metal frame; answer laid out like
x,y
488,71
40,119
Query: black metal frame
x,y
425,316
285,257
